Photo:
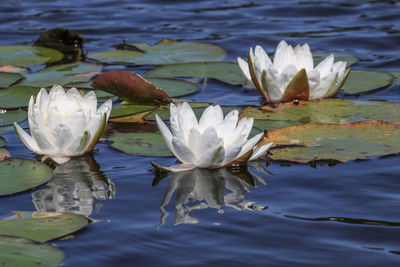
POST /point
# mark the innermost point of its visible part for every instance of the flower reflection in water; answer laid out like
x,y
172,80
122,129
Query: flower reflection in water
x,y
74,187
204,188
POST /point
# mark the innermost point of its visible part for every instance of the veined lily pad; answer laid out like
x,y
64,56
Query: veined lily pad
x,y
320,55
339,111
24,56
7,79
227,72
62,74
175,88
364,81
11,116
42,226
352,141
124,110
16,251
166,52
143,144
17,96
18,175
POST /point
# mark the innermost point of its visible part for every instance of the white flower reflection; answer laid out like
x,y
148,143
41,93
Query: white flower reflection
x,y
203,188
74,188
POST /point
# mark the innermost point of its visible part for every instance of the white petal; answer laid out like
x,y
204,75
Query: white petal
x,y
257,68
182,152
207,147
259,151
62,137
226,129
340,68
106,108
325,66
275,89
212,116
166,133
304,57
250,144
324,86
78,145
262,57
244,67
89,104
27,139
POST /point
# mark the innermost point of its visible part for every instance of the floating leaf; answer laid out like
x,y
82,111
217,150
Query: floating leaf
x,y
143,144
396,75
131,87
227,72
320,55
166,52
15,251
124,110
352,141
175,88
272,124
11,116
23,56
18,175
62,74
17,96
365,81
339,111
42,226
7,79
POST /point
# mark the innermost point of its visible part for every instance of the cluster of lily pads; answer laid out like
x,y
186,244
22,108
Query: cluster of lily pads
x,y
301,131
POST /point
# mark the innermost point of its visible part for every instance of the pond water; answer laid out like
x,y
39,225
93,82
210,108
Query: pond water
x,y
275,214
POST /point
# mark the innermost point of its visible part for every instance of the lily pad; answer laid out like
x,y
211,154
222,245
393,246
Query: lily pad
x,y
3,142
359,140
124,110
365,81
396,75
7,79
272,124
18,175
42,226
338,111
143,144
227,72
62,74
16,251
6,129
17,96
175,88
11,116
23,56
166,52
320,55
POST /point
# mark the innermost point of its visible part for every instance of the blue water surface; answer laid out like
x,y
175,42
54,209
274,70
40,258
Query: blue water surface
x,y
306,215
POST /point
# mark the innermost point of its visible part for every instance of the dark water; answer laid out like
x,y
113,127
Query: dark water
x,y
346,214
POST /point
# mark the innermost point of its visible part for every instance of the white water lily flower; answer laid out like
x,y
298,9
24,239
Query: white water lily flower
x,y
63,125
211,142
292,75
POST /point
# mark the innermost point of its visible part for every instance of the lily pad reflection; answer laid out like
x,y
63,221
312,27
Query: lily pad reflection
x,y
74,188
203,188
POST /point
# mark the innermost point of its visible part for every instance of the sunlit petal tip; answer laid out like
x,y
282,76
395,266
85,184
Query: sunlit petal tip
x,y
260,151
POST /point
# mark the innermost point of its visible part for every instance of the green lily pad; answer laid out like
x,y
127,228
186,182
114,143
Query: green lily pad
x,y
11,116
62,74
24,56
18,175
42,226
6,129
320,55
227,72
273,124
338,111
124,110
166,52
365,81
359,140
175,88
17,96
7,79
16,251
143,144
